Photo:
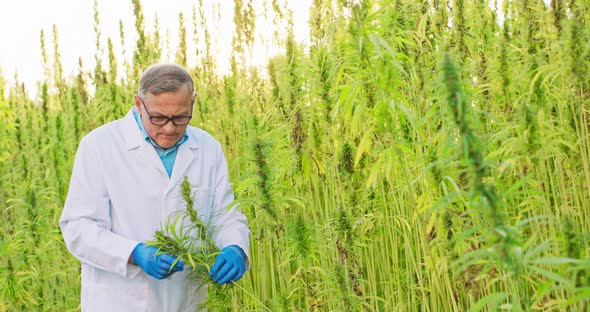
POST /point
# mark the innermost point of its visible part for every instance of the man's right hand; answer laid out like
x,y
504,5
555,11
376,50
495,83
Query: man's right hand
x,y
157,266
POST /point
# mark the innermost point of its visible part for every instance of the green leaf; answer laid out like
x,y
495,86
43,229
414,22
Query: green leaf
x,y
535,251
467,233
494,300
191,260
582,294
541,291
558,260
549,275
364,145
173,264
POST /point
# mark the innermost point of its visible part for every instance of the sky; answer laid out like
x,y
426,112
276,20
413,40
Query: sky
x,y
21,23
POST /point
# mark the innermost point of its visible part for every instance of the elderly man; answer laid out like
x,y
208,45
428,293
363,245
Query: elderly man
x,y
126,182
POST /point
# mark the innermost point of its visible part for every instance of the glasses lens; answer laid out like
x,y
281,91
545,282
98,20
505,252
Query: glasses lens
x,y
159,121
181,120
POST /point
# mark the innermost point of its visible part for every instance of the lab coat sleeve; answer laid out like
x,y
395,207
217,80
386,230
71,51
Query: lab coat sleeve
x,y
231,225
86,223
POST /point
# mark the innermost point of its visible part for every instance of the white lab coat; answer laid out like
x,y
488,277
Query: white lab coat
x,y
120,195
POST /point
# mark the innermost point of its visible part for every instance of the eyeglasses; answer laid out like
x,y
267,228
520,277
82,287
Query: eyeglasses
x,y
163,120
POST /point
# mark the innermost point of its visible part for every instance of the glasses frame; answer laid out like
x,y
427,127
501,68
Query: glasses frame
x,y
168,119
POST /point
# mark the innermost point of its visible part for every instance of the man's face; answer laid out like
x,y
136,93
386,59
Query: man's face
x,y
165,104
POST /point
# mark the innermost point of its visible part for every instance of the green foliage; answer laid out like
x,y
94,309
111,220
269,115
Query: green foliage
x,y
412,156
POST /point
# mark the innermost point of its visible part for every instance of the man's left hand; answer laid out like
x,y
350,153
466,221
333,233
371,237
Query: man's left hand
x,y
229,265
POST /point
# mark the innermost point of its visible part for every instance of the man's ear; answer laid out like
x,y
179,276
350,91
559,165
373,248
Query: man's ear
x,y
138,103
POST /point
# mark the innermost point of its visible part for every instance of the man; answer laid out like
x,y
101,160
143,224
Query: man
x,y
126,182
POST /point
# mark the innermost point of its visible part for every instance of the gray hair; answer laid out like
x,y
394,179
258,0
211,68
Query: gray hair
x,y
161,78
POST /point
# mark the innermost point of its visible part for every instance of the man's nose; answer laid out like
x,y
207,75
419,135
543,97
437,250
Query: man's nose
x,y
169,127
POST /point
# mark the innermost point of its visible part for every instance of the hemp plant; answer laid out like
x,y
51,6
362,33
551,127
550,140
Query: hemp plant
x,y
188,236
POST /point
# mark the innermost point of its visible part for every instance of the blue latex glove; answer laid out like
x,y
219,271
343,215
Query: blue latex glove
x,y
229,265
157,266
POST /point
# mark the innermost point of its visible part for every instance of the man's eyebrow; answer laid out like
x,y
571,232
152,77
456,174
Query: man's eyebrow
x,y
158,114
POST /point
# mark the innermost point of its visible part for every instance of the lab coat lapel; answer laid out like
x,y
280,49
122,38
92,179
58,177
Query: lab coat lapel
x,y
131,132
184,158
147,155
137,144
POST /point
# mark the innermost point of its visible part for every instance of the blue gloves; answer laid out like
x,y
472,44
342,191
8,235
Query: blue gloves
x,y
229,265
157,266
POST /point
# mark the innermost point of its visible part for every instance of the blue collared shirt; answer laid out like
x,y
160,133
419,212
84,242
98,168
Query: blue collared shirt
x,y
168,156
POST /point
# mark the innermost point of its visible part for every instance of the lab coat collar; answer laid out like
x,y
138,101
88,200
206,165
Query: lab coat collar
x,y
134,138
